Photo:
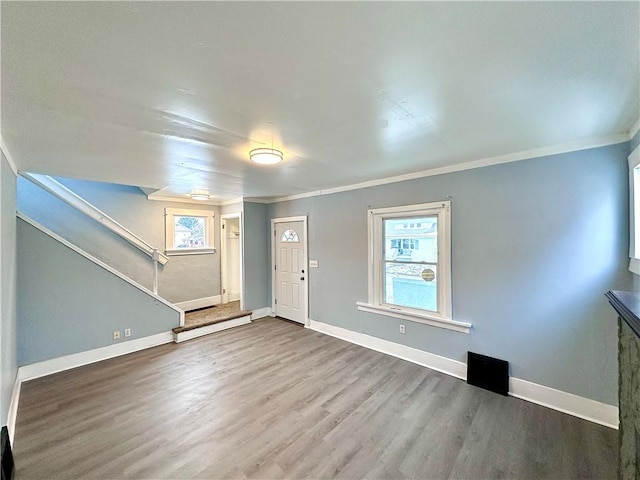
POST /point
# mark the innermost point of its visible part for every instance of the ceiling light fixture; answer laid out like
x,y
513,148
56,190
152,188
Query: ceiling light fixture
x,y
198,195
266,156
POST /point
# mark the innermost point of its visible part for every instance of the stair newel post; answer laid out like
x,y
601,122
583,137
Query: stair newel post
x,y
156,259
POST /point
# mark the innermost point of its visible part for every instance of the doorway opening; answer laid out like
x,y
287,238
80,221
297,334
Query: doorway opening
x,y
231,261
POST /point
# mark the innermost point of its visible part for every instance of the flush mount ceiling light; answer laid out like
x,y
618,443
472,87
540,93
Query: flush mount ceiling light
x,y
200,195
266,156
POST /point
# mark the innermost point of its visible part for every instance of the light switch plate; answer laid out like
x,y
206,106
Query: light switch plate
x,y
313,263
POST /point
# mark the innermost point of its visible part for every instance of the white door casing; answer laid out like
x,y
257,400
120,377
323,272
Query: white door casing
x,y
231,270
289,263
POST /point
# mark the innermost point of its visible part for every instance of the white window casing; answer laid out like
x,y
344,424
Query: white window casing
x,y
171,248
376,299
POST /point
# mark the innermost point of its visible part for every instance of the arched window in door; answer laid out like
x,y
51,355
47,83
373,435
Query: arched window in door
x,y
289,236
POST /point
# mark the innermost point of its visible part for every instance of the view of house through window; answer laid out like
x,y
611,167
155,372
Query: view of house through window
x,y
410,268
189,232
411,262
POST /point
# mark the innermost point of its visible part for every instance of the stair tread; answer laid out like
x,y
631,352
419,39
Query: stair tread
x,y
186,328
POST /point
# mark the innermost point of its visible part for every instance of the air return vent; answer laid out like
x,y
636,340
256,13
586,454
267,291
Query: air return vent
x,y
488,373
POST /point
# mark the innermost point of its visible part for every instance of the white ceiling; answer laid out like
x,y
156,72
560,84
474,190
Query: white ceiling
x,y
173,96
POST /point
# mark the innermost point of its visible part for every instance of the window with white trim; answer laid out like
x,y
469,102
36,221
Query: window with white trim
x,y
410,264
188,232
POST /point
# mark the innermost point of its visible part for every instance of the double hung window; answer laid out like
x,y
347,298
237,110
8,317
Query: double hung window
x,y
410,264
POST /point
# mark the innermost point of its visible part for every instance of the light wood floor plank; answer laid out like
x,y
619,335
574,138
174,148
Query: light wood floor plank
x,y
274,400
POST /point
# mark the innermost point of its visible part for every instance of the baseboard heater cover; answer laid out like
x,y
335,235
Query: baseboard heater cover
x,y
488,373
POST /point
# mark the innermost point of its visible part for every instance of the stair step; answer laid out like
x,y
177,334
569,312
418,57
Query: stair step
x,y
181,334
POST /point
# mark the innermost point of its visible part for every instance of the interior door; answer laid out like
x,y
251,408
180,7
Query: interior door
x,y
290,270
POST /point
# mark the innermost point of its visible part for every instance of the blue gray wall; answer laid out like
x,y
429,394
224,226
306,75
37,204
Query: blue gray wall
x,y
257,256
183,278
536,244
68,304
8,347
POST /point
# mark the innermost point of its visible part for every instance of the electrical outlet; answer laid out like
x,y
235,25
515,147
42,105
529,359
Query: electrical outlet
x,y
401,328
116,334
127,332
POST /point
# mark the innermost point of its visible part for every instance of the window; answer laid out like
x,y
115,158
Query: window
x,y
188,231
290,236
410,264
634,210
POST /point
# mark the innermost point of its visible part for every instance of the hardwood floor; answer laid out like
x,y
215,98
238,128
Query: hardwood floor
x,y
274,400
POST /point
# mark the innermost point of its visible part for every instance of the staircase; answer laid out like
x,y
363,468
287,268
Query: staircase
x,y
187,326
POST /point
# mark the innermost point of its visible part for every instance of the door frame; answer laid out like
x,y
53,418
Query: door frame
x,y
223,257
305,289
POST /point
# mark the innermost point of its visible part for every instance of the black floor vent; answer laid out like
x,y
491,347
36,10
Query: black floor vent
x,y
488,373
7,457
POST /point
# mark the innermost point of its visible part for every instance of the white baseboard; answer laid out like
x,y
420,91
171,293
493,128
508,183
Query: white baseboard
x,y
55,365
261,313
199,303
13,410
216,327
434,362
581,407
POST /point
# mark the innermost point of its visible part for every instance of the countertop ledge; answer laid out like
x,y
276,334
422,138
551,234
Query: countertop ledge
x,y
627,304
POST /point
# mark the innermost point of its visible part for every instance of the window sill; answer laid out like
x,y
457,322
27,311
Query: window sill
x,y
446,323
189,251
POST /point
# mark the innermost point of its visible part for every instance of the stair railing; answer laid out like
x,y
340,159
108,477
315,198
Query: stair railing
x,y
74,200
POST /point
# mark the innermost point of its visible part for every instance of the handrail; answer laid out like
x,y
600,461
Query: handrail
x,y
74,200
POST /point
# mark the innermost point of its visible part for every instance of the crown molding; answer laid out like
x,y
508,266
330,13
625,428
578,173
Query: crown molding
x,y
484,162
8,156
260,200
169,198
233,201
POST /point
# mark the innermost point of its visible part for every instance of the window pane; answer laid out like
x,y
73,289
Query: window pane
x,y
289,236
405,244
189,232
411,285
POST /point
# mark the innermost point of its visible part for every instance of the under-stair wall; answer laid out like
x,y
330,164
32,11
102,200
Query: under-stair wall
x,y
183,278
69,304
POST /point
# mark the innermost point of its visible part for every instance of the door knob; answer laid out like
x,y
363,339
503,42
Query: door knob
x,y
301,278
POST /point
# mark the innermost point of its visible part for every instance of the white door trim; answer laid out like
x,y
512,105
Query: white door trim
x,y
305,290
223,252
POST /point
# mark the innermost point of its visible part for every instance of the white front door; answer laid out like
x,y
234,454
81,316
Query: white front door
x,y
290,271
